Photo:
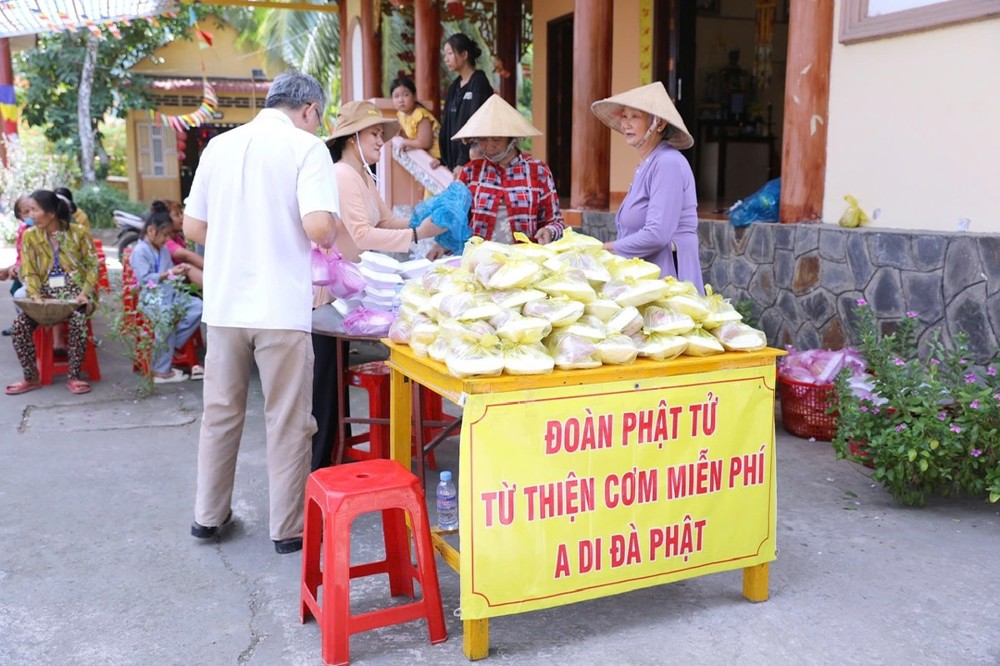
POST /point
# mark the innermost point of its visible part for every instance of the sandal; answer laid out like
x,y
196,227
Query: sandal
x,y
174,376
197,372
22,386
77,386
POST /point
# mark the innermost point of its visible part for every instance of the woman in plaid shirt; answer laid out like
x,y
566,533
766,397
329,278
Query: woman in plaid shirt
x,y
511,193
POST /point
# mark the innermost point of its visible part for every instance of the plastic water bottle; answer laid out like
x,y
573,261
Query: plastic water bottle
x,y
447,503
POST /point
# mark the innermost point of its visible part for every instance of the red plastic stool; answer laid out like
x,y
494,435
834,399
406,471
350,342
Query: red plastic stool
x,y
374,378
335,496
187,356
47,363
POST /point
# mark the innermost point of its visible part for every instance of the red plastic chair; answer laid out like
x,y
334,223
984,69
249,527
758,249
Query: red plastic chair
x,y
335,496
374,378
49,365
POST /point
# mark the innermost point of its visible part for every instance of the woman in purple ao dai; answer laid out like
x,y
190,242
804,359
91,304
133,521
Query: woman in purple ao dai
x,y
658,219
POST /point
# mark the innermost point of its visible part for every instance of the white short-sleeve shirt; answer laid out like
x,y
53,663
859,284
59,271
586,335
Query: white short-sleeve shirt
x,y
252,188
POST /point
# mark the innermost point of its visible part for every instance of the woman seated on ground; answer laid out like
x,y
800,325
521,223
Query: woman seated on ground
x,y
57,261
355,145
177,312
510,192
177,245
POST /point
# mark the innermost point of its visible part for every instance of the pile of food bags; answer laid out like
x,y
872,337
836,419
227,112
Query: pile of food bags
x,y
821,366
526,309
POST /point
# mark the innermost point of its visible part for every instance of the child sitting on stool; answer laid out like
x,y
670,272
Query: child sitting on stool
x,y
155,274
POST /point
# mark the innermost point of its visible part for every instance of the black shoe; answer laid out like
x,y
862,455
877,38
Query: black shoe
x,y
286,546
7,332
202,532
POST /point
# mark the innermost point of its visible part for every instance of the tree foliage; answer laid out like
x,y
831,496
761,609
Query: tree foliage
x,y
52,71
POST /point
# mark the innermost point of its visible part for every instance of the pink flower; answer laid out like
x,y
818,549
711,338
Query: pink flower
x,y
970,378
862,302
934,361
898,361
911,314
963,361
942,416
974,404
150,284
864,408
901,427
975,453
991,371
955,428
875,409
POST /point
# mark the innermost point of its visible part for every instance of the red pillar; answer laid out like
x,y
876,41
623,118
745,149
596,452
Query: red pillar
x,y
509,46
807,105
372,49
427,52
591,146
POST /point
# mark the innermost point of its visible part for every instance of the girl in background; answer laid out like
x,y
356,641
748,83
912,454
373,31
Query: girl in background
x,y
418,126
177,245
469,91
153,267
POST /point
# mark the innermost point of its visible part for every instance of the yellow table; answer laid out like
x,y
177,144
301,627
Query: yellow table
x,y
579,484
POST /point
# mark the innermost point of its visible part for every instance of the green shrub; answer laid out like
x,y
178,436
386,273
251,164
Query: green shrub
x,y
99,201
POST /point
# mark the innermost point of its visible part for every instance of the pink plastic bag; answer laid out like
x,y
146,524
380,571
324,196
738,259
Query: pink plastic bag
x,y
340,276
370,323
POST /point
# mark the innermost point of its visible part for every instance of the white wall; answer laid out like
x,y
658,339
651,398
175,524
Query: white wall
x,y
914,128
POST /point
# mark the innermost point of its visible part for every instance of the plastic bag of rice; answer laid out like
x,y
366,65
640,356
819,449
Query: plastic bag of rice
x,y
526,359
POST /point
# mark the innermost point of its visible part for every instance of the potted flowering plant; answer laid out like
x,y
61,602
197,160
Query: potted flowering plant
x,y
162,306
927,424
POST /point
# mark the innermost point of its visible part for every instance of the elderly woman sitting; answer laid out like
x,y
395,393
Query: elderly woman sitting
x,y
510,192
57,261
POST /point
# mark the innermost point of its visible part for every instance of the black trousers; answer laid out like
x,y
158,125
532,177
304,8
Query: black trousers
x,y
325,400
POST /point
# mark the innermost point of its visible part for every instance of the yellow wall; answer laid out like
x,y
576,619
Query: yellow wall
x,y
543,13
224,59
183,58
913,128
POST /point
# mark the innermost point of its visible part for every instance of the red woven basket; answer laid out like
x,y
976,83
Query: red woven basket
x,y
803,409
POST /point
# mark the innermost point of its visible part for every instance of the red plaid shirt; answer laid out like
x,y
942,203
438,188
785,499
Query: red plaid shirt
x,y
529,193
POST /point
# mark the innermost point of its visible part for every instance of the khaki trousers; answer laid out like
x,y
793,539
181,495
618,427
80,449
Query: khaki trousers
x,y
285,361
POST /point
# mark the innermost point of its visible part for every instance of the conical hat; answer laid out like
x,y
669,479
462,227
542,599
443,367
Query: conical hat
x,y
496,118
652,99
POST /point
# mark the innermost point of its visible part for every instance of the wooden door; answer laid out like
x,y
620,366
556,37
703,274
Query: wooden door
x,y
559,120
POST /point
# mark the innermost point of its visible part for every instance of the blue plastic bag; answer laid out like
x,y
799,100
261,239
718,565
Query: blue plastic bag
x,y
450,210
761,206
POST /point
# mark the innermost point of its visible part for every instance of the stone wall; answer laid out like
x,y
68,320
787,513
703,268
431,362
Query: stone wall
x,y
804,279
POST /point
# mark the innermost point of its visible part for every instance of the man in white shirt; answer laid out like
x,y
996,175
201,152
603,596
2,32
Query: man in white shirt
x,y
261,193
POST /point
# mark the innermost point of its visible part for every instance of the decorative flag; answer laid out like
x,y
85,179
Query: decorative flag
x,y
8,110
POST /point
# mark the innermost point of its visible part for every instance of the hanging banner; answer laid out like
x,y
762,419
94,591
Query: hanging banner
x,y
575,493
8,110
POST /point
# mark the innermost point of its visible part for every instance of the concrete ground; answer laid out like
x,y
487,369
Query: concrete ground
x,y
97,565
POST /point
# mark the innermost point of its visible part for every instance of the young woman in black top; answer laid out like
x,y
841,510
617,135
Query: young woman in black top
x,y
465,95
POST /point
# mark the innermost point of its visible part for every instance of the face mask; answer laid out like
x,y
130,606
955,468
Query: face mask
x,y
496,159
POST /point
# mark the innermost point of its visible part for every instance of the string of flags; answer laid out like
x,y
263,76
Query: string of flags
x,y
183,122
27,17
